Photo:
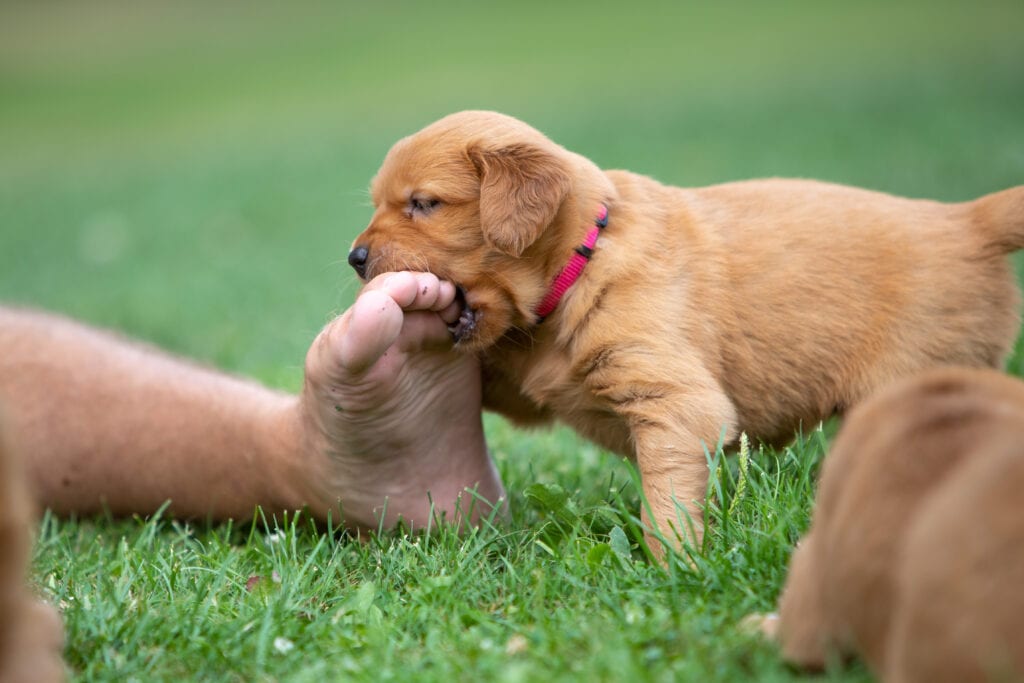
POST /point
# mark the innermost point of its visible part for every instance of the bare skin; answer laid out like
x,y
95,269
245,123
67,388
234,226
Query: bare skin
x,y
387,416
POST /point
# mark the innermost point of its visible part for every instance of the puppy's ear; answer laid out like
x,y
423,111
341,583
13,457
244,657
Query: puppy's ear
x,y
521,190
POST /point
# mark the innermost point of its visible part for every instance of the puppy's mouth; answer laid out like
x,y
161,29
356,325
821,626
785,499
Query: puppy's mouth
x,y
464,327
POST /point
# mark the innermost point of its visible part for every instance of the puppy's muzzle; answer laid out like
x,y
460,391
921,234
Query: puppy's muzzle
x,y
464,327
357,259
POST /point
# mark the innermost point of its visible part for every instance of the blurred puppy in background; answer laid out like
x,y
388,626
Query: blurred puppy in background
x,y
701,313
915,556
31,634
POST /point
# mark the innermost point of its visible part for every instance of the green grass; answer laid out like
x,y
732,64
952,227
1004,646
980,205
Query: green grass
x,y
193,175
563,590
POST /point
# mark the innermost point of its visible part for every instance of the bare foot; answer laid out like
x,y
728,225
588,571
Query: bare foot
x,y
395,413
388,414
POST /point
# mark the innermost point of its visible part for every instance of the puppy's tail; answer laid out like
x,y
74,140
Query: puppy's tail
x,y
1000,218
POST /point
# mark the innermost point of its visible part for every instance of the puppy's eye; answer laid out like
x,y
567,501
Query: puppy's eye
x,y
422,205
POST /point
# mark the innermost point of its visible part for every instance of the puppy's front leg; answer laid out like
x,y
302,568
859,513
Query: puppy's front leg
x,y
673,414
674,474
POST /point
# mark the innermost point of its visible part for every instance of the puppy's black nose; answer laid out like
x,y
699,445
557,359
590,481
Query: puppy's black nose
x,y
357,259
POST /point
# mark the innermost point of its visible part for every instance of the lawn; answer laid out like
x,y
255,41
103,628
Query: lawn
x,y
193,173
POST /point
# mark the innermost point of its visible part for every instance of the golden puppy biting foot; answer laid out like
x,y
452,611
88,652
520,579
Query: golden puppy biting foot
x,y
31,635
915,555
755,306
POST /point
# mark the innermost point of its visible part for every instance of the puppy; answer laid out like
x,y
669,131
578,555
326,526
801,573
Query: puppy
x,y
915,555
752,307
31,635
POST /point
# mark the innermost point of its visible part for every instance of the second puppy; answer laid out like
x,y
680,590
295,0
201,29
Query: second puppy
x,y
756,306
915,555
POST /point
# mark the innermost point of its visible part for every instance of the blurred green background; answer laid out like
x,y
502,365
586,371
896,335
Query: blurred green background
x,y
193,172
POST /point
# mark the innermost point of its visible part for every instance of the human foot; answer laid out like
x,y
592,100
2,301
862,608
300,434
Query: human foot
x,y
392,415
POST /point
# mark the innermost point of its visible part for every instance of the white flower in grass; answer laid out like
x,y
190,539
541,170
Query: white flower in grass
x,y
283,645
516,644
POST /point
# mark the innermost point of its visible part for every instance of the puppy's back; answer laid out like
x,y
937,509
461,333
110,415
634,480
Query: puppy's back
x,y
834,292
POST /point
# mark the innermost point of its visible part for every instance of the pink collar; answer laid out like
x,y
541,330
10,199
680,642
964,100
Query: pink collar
x,y
567,277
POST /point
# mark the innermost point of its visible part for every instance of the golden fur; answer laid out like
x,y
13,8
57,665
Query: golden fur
x,y
915,555
755,306
30,632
